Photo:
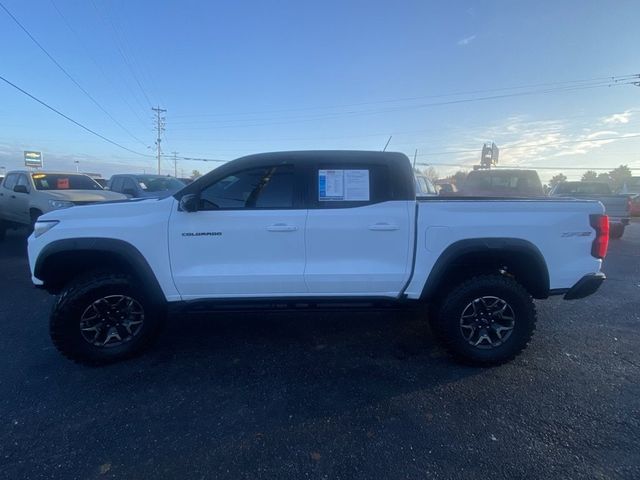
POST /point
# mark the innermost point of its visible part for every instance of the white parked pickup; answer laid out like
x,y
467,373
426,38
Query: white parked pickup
x,y
306,229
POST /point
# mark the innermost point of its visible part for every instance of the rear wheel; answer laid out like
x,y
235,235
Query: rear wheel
x,y
104,317
487,320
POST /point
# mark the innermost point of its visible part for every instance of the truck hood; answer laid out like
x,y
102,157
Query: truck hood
x,y
116,209
83,196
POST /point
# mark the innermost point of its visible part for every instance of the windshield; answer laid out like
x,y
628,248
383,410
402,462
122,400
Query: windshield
x,y
583,188
150,183
63,181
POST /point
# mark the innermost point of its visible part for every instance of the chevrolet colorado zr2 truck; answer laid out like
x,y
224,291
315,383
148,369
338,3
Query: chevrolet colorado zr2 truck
x,y
304,230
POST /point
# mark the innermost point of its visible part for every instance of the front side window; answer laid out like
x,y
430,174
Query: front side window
x,y
264,187
10,181
63,181
23,180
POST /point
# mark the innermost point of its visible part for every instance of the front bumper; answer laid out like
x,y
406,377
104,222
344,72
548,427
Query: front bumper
x,y
585,286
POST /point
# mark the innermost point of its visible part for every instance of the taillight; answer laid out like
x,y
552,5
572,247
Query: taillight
x,y
600,223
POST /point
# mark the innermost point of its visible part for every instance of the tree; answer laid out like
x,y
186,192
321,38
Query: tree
x,y
590,176
195,174
603,177
431,173
556,179
457,178
618,177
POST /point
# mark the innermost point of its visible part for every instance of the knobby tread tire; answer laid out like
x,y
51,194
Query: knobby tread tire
x,y
445,324
69,305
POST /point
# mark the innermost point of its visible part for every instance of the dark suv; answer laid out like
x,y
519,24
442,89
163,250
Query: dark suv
x,y
144,186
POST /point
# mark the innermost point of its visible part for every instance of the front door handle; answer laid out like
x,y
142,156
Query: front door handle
x,y
383,227
282,227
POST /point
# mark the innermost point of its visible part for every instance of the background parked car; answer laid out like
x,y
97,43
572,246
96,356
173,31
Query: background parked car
x,y
424,187
617,207
632,189
502,183
144,186
25,195
446,189
101,181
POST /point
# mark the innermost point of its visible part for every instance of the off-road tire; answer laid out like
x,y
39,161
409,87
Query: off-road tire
x,y
64,324
446,324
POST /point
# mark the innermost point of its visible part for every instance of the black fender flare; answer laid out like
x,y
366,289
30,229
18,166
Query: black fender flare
x,y
491,246
120,248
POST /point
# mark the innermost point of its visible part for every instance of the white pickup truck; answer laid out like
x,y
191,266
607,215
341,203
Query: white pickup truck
x,y
304,230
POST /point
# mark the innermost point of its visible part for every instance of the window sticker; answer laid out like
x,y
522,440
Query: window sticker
x,y
331,184
356,185
63,183
343,185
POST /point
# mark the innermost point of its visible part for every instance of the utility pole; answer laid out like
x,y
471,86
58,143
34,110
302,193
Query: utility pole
x,y
160,122
175,164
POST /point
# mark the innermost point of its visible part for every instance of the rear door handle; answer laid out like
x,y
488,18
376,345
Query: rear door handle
x,y
282,227
383,227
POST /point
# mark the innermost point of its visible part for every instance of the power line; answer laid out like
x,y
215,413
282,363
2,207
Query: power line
x,y
452,94
69,75
117,42
395,109
95,62
93,132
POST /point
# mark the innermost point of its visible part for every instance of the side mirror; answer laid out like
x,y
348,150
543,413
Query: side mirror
x,y
189,203
20,189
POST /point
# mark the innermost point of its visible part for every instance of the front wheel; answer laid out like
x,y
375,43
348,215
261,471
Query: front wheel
x,y
104,317
486,320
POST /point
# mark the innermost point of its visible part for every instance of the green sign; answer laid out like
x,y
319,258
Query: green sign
x,y
33,159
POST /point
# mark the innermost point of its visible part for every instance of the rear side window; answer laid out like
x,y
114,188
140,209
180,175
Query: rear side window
x,y
10,181
264,187
344,186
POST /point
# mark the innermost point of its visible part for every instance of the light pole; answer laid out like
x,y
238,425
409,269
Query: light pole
x,y
77,162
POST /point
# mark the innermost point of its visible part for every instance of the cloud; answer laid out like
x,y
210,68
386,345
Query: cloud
x,y
618,118
466,40
528,143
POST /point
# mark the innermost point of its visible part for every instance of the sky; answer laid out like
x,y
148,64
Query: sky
x,y
548,82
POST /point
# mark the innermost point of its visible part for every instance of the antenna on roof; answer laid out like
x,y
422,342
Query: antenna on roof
x,y
415,154
387,144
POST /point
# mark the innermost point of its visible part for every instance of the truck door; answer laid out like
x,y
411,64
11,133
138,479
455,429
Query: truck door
x,y
358,238
21,200
8,198
246,239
